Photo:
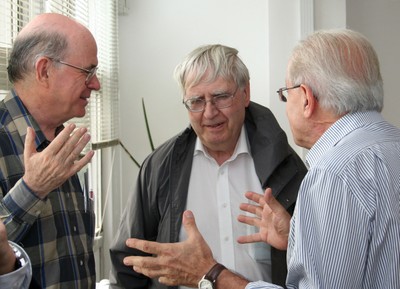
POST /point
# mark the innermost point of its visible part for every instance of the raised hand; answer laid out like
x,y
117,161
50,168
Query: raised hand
x,y
183,263
270,217
47,170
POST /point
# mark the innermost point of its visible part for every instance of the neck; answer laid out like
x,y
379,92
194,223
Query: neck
x,y
39,111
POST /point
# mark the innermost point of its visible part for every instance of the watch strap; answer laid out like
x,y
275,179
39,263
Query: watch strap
x,y
214,272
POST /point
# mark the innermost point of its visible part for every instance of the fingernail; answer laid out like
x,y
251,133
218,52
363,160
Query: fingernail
x,y
188,214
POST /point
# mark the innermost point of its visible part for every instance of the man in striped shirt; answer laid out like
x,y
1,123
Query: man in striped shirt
x,y
345,231
52,67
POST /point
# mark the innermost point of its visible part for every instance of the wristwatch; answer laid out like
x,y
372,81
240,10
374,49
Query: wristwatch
x,y
208,280
19,258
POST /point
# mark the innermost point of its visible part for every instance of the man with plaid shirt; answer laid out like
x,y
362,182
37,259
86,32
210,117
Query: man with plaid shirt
x,y
53,69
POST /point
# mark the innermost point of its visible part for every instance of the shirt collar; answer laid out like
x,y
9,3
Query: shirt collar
x,y
338,131
22,119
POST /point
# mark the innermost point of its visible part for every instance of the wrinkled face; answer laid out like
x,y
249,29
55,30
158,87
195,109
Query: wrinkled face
x,y
70,91
218,129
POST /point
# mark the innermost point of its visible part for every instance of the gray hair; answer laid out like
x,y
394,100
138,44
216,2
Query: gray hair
x,y
342,69
27,49
216,61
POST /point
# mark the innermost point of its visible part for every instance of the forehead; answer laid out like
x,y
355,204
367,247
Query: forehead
x,y
210,86
198,76
83,49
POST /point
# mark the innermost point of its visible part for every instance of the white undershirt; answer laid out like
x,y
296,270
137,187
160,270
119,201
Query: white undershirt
x,y
215,193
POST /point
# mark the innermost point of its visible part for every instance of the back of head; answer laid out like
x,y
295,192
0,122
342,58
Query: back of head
x,y
46,35
211,61
342,69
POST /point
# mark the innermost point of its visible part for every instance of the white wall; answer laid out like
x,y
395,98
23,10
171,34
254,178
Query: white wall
x,y
379,21
155,35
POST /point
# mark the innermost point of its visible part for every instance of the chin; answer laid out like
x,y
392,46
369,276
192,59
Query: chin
x,y
80,114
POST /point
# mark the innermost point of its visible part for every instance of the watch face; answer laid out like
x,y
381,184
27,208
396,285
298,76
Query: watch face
x,y
205,284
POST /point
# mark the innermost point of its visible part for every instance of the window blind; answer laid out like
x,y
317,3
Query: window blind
x,y
101,18
14,14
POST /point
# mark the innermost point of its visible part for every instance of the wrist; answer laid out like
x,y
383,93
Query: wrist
x,y
228,279
20,261
209,279
8,259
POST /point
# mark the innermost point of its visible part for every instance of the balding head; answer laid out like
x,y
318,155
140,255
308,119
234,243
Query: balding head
x,y
50,34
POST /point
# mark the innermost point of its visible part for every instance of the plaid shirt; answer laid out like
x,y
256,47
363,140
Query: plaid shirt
x,y
57,232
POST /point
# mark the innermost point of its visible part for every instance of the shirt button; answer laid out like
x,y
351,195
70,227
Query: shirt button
x,y
74,228
226,239
81,263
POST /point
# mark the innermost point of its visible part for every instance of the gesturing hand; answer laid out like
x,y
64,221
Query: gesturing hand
x,y
47,170
270,217
174,264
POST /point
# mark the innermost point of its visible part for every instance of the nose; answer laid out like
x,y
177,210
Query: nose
x,y
94,83
210,110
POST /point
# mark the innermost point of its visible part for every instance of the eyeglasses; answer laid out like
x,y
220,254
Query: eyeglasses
x,y
198,104
280,92
90,72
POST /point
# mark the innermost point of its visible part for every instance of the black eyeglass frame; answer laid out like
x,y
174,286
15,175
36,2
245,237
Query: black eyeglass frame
x,y
281,90
231,96
90,72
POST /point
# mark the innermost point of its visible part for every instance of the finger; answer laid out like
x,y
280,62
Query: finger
x,y
59,141
252,221
258,198
255,210
72,151
253,238
149,247
189,224
149,262
74,145
272,203
83,161
30,147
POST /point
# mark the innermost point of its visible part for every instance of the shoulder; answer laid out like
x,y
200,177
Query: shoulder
x,y
174,147
261,118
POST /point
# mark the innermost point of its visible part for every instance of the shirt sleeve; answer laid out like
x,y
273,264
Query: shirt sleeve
x,y
262,285
19,209
20,278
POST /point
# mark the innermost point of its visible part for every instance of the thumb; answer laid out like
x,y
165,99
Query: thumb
x,y
189,224
30,147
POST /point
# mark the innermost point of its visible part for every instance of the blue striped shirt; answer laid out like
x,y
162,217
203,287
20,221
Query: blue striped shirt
x,y
345,232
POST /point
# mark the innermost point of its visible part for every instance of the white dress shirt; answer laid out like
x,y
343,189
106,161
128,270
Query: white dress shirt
x,y
215,193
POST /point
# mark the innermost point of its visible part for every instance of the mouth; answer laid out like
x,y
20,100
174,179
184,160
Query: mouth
x,y
214,125
85,99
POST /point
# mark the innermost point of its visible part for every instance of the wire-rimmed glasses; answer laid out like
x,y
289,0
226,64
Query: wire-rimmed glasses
x,y
90,72
198,104
281,91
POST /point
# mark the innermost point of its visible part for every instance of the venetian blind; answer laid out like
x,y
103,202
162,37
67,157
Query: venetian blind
x,y
101,18
13,16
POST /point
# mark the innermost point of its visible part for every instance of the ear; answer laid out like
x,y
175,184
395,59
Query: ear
x,y
42,70
310,103
247,94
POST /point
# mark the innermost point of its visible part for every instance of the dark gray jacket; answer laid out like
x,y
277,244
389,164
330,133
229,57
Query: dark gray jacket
x,y
154,210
